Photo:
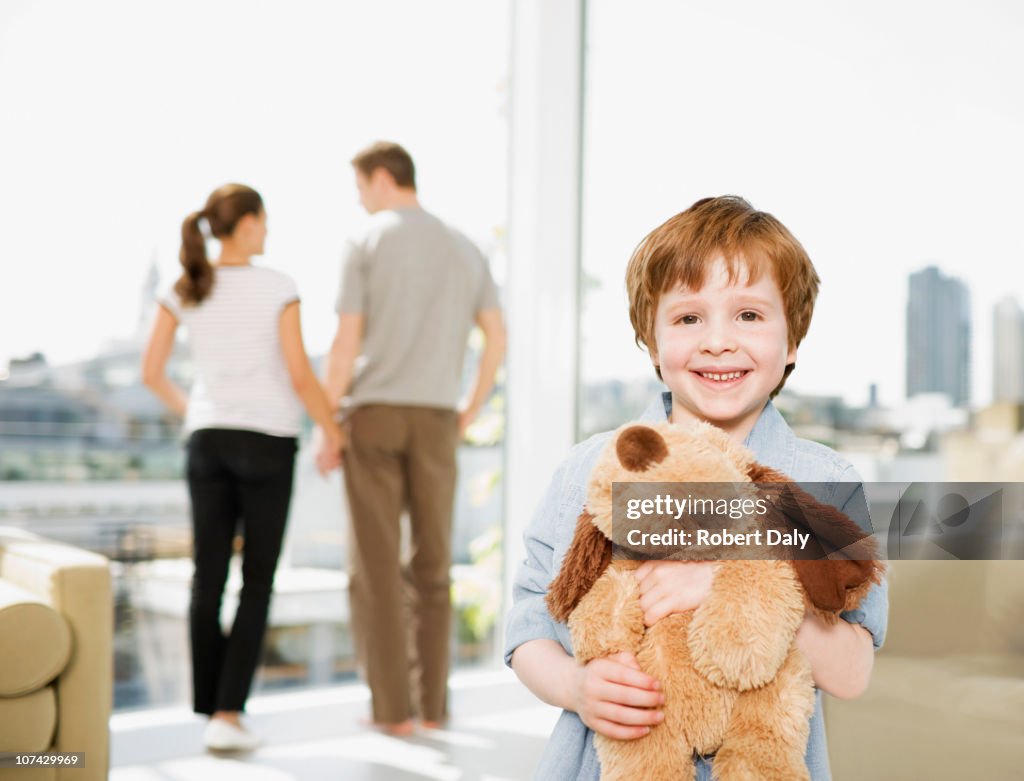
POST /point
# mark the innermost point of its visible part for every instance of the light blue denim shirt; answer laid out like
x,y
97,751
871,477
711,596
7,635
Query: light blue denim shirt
x,y
570,754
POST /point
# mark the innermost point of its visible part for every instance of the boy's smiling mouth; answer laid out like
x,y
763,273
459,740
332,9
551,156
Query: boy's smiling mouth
x,y
722,376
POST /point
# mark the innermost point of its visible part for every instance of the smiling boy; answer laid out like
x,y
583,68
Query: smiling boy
x,y
721,296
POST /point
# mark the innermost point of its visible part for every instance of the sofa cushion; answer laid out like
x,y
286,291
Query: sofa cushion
x,y
35,642
29,721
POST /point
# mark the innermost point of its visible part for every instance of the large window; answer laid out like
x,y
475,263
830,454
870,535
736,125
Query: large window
x,y
119,120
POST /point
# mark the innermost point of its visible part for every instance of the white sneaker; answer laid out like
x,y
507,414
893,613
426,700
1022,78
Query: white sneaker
x,y
223,736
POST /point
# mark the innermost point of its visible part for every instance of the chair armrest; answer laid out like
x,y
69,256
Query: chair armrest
x,y
77,584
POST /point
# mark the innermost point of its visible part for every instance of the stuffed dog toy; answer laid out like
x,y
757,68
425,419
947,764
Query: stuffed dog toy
x,y
735,684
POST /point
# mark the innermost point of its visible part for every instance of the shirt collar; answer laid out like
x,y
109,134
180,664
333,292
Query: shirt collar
x,y
771,439
658,410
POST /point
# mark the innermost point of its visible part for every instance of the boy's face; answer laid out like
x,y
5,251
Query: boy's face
x,y
722,349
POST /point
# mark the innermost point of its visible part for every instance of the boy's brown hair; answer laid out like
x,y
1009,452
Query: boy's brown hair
x,y
392,158
679,251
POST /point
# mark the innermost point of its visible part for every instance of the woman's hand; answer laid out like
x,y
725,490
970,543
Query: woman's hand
x,y
615,698
328,443
668,587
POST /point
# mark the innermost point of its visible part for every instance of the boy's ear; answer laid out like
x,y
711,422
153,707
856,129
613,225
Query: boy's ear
x,y
791,356
655,362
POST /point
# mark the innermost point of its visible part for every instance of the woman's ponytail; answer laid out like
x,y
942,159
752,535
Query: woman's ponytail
x,y
196,280
224,208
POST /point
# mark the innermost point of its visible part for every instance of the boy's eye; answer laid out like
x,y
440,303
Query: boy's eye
x,y
687,319
749,316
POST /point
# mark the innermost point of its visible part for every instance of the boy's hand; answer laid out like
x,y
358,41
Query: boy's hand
x,y
668,587
615,698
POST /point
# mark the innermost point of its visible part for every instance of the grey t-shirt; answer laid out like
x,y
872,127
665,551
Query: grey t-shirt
x,y
419,285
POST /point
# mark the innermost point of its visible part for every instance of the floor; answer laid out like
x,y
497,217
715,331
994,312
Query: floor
x,y
496,734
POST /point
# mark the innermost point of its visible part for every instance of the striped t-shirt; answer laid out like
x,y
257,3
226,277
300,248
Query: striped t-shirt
x,y
241,381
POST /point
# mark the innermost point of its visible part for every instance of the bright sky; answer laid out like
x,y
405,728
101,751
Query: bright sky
x,y
886,136
119,118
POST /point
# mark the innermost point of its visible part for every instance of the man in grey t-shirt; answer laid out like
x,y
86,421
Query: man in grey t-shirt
x,y
411,290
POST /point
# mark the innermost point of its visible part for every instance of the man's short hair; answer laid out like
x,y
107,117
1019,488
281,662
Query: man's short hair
x,y
679,252
392,158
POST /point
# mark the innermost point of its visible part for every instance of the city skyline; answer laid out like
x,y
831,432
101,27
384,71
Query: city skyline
x,y
942,353
937,310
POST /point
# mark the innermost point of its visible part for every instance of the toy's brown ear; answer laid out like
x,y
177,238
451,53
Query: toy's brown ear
x,y
841,561
585,561
640,447
834,585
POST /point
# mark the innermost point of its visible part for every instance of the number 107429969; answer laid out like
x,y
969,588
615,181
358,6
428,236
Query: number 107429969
x,y
30,758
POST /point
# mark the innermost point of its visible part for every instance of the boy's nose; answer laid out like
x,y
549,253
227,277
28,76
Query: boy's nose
x,y
718,338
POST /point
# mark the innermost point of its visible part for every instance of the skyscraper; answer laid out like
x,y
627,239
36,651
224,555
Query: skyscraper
x,y
1008,351
938,336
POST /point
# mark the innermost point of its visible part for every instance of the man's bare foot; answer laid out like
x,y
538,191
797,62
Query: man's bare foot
x,y
428,724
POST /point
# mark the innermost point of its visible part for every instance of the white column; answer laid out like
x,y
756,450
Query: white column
x,y
543,254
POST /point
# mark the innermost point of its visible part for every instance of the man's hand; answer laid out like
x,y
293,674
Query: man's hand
x,y
615,698
466,417
668,587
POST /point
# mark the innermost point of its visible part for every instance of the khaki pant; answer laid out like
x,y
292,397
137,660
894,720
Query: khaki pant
x,y
401,457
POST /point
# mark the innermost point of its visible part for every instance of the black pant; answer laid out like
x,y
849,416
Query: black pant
x,y
234,476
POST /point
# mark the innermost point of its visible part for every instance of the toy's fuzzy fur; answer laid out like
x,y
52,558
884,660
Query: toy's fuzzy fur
x,y
735,684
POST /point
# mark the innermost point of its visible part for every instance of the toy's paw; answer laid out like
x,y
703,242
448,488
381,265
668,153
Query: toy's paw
x,y
608,619
729,655
740,635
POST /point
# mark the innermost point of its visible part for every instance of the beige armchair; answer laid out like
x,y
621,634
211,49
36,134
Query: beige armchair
x,y
946,699
56,657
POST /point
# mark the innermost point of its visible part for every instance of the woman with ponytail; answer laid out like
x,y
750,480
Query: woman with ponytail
x,y
242,421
